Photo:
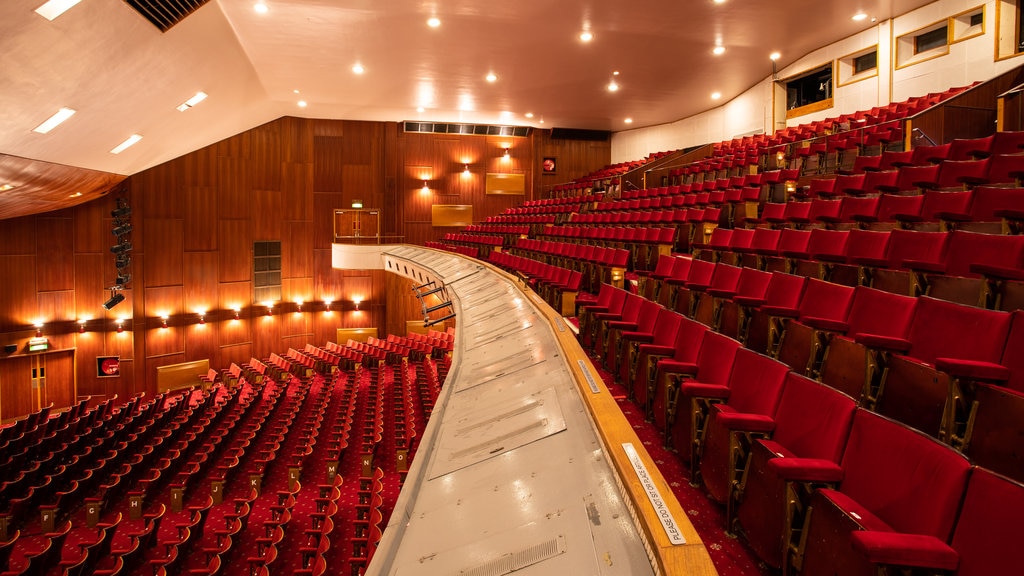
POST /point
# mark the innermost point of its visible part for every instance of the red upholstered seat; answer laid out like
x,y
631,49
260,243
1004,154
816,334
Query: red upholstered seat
x,y
648,384
783,293
889,205
899,485
914,391
697,278
723,280
889,273
824,305
663,293
751,395
628,329
806,444
654,337
751,286
972,262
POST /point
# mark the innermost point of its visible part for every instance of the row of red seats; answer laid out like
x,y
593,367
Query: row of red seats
x,y
757,430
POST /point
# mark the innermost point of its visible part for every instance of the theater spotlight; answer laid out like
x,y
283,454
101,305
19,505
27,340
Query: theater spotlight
x,y
121,230
123,279
122,211
121,248
122,261
115,299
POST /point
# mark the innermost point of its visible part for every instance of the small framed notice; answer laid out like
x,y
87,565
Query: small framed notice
x,y
549,165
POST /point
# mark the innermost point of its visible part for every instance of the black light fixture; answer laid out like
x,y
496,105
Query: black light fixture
x,y
115,299
122,230
123,278
121,248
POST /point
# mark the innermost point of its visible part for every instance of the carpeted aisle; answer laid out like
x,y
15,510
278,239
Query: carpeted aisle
x,y
730,556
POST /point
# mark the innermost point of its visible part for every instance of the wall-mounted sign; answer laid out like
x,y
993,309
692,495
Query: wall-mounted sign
x,y
38,344
108,366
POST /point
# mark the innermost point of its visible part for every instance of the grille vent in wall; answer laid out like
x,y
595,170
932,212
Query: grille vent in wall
x,y
477,129
165,13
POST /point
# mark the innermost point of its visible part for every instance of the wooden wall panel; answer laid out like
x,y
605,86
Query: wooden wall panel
x,y
328,282
19,236
234,187
324,206
56,268
92,226
57,306
359,182
200,281
328,159
234,332
296,189
233,295
200,169
18,305
267,214
234,239
201,342
237,353
296,250
165,202
165,241
296,139
200,218
295,289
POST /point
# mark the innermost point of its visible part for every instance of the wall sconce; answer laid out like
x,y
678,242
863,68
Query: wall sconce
x,y
508,154
120,325
327,306
81,326
39,329
298,306
202,317
356,302
238,313
465,171
163,321
270,308
425,189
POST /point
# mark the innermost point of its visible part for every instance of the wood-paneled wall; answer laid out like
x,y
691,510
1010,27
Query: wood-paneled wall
x,y
195,220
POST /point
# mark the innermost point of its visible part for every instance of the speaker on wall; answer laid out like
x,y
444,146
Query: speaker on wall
x,y
10,348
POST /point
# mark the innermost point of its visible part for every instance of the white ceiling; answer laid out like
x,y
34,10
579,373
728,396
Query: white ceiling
x,y
124,76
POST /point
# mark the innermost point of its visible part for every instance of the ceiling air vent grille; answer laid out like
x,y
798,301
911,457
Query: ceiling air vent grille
x,y
468,129
165,13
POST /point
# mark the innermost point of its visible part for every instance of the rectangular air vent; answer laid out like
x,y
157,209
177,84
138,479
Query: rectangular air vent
x,y
165,13
468,129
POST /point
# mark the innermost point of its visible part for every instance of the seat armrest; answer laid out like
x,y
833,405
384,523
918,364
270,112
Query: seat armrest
x,y
1009,214
878,341
701,390
805,469
973,369
953,216
999,272
748,301
671,366
657,349
746,422
637,336
919,550
780,311
721,292
871,262
826,324
622,325
922,266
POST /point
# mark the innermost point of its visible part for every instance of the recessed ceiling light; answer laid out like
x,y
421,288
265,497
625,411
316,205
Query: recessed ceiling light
x,y
358,68
719,1
528,114
433,21
718,50
420,109
491,77
199,97
541,121
75,195
302,103
859,16
586,36
260,7
53,121
296,91
54,8
615,72
131,140
6,187
775,55
613,86
716,95
628,120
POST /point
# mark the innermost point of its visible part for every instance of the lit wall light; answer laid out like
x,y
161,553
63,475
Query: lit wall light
x,y
270,308
465,171
238,313
327,306
202,316
163,320
425,189
81,326
298,306
120,325
39,328
199,97
356,302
